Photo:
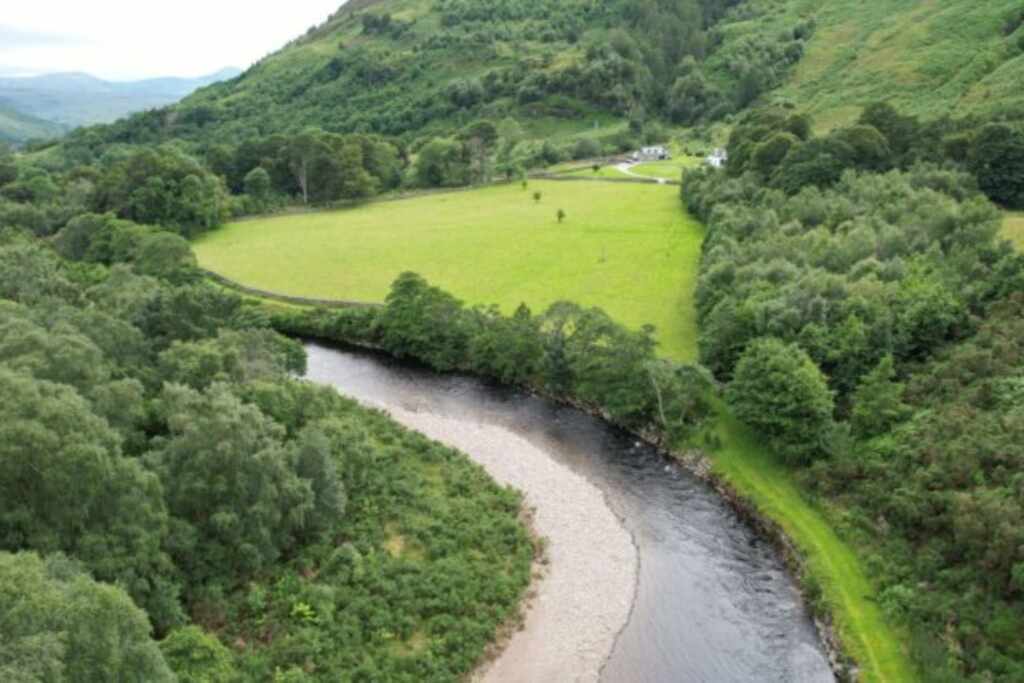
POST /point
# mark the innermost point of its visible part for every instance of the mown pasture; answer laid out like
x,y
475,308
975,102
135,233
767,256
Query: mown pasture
x,y
633,252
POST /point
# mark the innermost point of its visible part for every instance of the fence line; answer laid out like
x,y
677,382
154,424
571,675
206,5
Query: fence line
x,y
286,298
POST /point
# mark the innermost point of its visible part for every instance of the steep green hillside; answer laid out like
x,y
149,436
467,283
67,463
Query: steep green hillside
x,y
424,66
928,57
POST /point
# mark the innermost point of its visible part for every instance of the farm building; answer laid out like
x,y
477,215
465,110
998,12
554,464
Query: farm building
x,y
657,153
717,159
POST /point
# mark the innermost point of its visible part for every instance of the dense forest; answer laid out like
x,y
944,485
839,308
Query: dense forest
x,y
865,316
208,499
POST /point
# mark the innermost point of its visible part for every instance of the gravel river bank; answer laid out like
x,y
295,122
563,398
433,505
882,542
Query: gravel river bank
x,y
651,576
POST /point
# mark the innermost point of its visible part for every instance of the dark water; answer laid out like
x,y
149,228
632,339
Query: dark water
x,y
714,603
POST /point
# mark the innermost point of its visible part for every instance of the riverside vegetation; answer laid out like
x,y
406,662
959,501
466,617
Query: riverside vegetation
x,y
249,521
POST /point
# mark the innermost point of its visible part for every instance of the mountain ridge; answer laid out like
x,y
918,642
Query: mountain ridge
x,y
65,100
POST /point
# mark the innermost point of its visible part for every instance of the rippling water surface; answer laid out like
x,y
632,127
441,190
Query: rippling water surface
x,y
714,603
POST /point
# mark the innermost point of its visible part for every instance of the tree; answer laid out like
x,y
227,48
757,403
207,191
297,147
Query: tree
x,y
561,215
869,149
53,447
537,196
421,321
356,181
76,239
781,393
167,256
257,185
901,132
878,402
301,153
230,483
57,624
162,186
198,657
440,163
694,98
769,154
997,159
480,139
8,168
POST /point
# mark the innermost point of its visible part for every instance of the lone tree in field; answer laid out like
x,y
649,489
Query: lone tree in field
x,y
561,215
536,196
596,167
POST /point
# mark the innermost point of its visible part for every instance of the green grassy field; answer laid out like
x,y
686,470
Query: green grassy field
x,y
671,169
631,251
1013,228
606,171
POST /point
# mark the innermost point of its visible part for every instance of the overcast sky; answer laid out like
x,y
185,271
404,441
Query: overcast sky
x,y
126,39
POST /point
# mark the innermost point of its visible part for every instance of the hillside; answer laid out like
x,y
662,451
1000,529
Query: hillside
x,y
413,68
67,100
928,57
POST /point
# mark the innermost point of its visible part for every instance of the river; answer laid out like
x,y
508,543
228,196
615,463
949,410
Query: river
x,y
713,601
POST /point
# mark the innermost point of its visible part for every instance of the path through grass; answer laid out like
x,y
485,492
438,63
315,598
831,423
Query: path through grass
x,y
630,250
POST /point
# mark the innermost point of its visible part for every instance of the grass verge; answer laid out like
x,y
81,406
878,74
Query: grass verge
x,y
849,596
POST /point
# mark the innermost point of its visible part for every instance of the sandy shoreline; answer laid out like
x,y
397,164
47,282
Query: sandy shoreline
x,y
584,599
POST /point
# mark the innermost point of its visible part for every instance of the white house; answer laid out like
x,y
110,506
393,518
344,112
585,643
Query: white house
x,y
717,159
657,153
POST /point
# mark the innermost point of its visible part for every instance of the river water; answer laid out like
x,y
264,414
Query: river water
x,y
714,602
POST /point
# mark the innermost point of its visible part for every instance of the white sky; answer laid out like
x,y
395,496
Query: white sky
x,y
125,39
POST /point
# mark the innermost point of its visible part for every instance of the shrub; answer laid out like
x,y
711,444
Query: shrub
x,y
781,393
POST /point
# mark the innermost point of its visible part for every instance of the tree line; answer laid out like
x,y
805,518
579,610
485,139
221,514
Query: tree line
x,y
858,303
568,352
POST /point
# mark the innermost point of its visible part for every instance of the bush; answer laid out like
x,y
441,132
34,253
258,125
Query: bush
x,y
781,393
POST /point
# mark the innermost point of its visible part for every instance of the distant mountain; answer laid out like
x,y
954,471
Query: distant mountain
x,y
16,127
63,101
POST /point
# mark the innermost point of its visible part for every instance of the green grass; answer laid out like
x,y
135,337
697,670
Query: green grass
x,y
671,169
851,598
631,251
1013,228
606,171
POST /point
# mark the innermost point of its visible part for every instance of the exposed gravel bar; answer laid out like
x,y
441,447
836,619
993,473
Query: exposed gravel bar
x,y
584,598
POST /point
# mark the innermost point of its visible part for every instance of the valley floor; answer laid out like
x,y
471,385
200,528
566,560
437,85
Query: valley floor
x,y
631,251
